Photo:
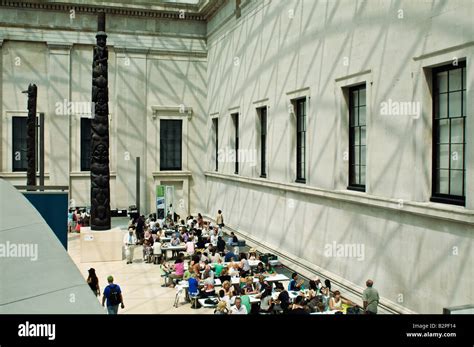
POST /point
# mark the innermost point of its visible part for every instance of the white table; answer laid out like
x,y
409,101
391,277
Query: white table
x,y
254,263
277,277
172,248
203,304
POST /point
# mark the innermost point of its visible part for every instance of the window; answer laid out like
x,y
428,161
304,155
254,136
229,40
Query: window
x,y
449,142
357,145
19,136
86,144
170,144
300,140
215,123
235,119
262,114
238,11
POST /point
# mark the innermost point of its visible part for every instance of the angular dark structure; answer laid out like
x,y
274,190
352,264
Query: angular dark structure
x,y
100,172
31,135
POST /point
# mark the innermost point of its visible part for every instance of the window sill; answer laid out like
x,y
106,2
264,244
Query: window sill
x,y
357,188
458,201
426,209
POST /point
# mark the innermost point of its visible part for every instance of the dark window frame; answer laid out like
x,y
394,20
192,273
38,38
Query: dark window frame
x,y
215,124
19,133
451,199
171,144
301,125
353,184
235,121
262,116
85,141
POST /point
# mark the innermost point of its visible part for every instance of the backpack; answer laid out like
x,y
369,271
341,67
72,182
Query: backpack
x,y
114,295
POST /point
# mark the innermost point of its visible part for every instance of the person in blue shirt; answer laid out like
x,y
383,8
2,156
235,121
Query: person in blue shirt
x,y
113,295
295,284
229,255
193,285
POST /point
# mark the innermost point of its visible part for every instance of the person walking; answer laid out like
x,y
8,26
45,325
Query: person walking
x,y
113,297
129,242
370,297
93,282
220,219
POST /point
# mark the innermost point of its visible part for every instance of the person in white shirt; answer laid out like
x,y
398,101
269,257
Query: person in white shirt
x,y
213,238
129,241
157,249
238,308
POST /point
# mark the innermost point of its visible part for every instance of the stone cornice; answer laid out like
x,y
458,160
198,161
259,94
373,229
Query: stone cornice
x,y
200,12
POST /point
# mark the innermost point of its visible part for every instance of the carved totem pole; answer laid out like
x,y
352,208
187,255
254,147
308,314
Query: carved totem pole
x,y
100,175
31,136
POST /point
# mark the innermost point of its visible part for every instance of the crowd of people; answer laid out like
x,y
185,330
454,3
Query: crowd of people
x,y
215,270
77,218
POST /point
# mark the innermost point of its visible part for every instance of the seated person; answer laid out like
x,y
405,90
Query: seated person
x,y
208,273
269,271
233,269
147,246
175,240
201,244
324,297
228,289
193,283
221,308
295,283
205,258
266,300
208,289
298,306
249,288
220,244
178,272
260,269
335,303
261,284
188,273
244,265
190,246
224,276
218,267
283,300
230,256
252,254
238,308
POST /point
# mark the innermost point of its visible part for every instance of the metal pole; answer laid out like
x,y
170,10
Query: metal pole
x,y
138,186
41,150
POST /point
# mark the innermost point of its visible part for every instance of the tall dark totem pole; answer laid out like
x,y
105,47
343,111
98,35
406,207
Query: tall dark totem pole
x,y
100,172
31,136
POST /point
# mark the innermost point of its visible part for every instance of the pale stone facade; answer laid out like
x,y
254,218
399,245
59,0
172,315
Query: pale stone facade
x,y
418,252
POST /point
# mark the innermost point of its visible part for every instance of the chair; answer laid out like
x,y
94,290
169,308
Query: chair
x,y
194,299
179,291
164,274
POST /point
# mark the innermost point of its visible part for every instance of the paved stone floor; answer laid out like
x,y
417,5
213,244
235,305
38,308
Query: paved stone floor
x,y
140,282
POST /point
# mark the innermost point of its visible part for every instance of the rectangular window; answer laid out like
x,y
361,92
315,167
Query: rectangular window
x,y
449,134
86,144
170,144
357,144
215,123
235,119
262,113
300,140
19,136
